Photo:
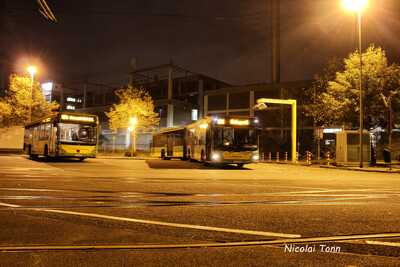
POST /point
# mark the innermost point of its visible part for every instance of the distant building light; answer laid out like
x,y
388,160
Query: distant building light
x,y
47,88
79,100
332,130
195,114
71,99
70,107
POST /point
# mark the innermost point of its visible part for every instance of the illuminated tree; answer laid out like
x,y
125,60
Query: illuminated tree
x,y
133,102
21,94
337,98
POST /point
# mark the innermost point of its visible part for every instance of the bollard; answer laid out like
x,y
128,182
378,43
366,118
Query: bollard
x,y
277,156
286,156
328,155
309,157
270,156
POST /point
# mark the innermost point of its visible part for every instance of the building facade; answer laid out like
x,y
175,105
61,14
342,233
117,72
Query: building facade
x,y
182,96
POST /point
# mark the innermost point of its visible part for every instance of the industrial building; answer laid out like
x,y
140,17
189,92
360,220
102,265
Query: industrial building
x,y
182,96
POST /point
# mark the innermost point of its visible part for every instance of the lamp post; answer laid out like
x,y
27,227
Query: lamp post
x,y
32,71
132,128
358,6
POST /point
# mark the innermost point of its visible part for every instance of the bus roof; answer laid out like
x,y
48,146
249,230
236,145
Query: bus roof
x,y
57,116
171,130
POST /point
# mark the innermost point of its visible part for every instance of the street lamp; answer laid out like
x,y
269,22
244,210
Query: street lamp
x,y
32,71
132,128
358,6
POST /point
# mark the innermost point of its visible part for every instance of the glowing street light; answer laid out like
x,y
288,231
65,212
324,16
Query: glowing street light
x,y
358,6
32,71
133,121
355,5
132,128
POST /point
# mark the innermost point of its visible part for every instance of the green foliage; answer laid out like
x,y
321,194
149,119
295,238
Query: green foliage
x,y
21,94
337,100
315,107
133,102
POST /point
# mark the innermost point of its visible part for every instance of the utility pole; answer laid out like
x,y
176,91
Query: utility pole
x,y
276,41
275,64
3,55
170,107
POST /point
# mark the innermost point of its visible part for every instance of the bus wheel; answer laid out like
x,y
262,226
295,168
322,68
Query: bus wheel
x,y
189,156
163,154
240,165
185,154
46,152
203,156
31,156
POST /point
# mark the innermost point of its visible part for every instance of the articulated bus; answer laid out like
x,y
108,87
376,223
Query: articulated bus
x,y
62,135
219,140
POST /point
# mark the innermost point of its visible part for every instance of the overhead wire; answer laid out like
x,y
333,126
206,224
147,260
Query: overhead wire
x,y
46,10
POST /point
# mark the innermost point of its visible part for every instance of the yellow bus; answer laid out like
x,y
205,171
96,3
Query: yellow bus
x,y
218,140
62,135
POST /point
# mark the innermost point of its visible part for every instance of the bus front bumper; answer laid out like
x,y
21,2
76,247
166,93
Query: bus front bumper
x,y
79,151
234,157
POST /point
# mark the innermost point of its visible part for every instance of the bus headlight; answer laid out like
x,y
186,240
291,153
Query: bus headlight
x,y
215,156
255,157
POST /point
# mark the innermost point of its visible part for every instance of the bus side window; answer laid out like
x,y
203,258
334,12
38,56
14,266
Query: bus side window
x,y
41,132
47,130
36,133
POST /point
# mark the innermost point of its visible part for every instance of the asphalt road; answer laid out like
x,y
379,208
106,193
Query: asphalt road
x,y
122,212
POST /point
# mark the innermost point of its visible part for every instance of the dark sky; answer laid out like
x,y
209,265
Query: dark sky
x,y
225,39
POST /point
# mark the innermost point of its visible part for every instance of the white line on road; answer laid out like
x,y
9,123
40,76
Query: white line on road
x,y
202,245
381,243
9,205
177,225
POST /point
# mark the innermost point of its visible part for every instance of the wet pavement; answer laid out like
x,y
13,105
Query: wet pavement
x,y
101,211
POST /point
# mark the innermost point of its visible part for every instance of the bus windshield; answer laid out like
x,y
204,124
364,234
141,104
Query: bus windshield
x,y
77,133
238,139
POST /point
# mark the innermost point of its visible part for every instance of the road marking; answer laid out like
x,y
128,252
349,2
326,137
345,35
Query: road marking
x,y
202,245
381,243
176,225
9,205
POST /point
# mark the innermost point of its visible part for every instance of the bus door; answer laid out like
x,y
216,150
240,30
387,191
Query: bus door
x,y
170,145
209,142
52,139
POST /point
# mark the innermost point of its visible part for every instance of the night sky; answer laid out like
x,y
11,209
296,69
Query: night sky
x,y
225,39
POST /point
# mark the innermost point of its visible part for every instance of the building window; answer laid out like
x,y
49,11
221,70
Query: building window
x,y
195,114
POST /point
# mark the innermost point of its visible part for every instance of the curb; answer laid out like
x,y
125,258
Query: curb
x,y
334,167
359,170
